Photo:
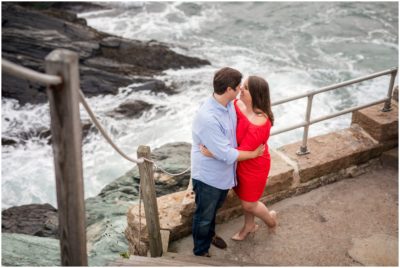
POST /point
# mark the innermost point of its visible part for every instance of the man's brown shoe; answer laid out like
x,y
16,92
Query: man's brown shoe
x,y
206,255
218,242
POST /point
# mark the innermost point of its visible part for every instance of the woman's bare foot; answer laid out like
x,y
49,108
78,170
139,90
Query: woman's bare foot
x,y
272,228
242,234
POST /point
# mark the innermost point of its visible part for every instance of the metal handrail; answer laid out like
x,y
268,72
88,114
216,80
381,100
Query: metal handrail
x,y
29,74
334,86
306,124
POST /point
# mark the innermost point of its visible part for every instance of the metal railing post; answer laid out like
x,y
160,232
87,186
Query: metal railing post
x,y
387,107
66,133
303,148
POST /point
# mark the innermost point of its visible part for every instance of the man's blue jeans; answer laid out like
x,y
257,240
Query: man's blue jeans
x,y
208,200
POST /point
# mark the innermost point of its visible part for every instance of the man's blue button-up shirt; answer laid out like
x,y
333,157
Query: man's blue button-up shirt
x,y
215,127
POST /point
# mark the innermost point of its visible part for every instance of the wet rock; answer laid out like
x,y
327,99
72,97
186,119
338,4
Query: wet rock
x,y
8,141
155,86
27,250
106,212
106,62
34,219
130,109
173,157
32,251
43,133
112,42
123,69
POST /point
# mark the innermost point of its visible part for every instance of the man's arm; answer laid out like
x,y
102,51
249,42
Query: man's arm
x,y
212,136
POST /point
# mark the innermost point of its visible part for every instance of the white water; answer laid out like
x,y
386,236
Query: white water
x,y
290,44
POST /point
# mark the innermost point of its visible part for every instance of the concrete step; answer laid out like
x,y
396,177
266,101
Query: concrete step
x,y
390,158
175,259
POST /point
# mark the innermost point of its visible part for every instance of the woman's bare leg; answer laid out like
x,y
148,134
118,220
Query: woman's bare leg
x,y
249,227
259,210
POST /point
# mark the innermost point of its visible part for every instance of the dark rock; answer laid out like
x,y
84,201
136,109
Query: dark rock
x,y
96,81
8,141
154,56
123,69
77,7
34,219
22,90
112,42
43,133
155,86
87,127
130,109
107,62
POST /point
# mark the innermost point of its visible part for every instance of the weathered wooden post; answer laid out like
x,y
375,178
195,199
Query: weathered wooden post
x,y
66,133
150,201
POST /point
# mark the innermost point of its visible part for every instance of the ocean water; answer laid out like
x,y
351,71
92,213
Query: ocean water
x,y
296,46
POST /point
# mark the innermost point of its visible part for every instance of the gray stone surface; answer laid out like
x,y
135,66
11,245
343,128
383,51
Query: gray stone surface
x,y
376,250
106,213
317,228
26,250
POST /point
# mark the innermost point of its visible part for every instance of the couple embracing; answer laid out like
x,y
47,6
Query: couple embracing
x,y
230,150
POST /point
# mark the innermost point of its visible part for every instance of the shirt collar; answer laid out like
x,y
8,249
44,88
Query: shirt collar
x,y
218,105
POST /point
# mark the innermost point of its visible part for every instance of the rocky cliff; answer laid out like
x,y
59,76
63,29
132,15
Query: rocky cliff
x,y
107,62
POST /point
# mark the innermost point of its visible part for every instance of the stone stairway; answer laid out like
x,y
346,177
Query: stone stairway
x,y
174,259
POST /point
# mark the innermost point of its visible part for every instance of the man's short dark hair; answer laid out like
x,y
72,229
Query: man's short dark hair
x,y
224,78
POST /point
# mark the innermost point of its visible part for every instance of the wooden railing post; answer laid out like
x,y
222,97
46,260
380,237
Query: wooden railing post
x,y
66,134
150,201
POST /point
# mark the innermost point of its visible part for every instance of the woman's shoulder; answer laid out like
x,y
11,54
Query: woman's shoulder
x,y
260,120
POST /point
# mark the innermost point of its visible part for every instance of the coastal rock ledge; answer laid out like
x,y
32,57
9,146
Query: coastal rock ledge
x,y
30,31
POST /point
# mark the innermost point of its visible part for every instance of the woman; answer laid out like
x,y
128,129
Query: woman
x,y
255,120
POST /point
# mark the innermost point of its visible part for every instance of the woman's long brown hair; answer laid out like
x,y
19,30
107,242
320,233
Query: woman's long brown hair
x,y
259,92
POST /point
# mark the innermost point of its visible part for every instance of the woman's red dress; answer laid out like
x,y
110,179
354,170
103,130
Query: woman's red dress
x,y
252,174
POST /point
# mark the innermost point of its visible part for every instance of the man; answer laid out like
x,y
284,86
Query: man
x,y
214,127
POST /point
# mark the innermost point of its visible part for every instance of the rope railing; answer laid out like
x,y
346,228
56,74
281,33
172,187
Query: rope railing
x,y
107,137
103,132
29,74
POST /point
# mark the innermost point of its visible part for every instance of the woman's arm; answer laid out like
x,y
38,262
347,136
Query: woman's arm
x,y
243,155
